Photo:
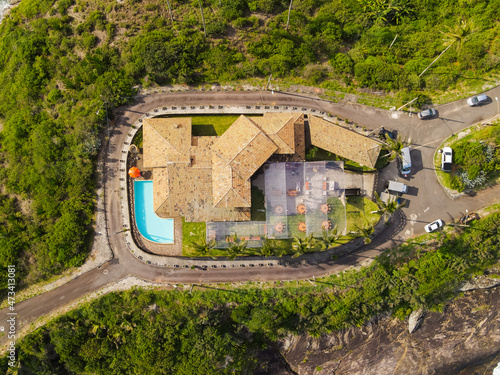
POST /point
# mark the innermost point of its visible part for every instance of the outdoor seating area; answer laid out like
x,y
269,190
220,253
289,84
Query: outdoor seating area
x,y
287,215
308,211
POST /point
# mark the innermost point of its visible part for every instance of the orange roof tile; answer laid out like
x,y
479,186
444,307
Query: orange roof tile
x,y
166,140
280,128
244,147
229,189
344,142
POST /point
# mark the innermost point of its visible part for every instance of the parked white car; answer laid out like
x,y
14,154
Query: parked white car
x,y
477,100
434,225
446,159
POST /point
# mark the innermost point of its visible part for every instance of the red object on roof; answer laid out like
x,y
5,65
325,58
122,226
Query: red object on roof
x,y
134,172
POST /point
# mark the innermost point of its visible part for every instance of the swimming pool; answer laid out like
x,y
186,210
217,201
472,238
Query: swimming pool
x,y
150,225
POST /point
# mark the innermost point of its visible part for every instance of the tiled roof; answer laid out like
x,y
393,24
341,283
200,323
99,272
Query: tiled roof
x,y
190,196
280,128
229,189
166,140
344,142
160,189
201,152
244,147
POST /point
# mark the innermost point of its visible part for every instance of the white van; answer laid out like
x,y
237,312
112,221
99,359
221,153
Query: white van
x,y
397,187
405,161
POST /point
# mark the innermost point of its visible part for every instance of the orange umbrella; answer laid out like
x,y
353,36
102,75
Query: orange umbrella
x,y
134,172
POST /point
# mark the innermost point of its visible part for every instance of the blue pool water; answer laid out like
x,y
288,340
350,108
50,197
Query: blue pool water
x,y
150,225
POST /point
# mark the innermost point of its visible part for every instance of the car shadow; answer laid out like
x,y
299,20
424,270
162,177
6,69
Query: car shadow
x,y
412,190
416,164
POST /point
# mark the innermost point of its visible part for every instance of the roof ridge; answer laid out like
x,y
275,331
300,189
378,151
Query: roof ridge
x,y
216,203
246,144
233,188
157,132
161,204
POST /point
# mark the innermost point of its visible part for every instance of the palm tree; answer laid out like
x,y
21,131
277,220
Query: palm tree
x,y
237,247
288,19
302,245
170,11
202,18
388,207
202,247
456,36
269,248
394,146
364,233
329,237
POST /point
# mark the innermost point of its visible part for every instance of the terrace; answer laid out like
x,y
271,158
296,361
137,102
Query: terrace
x,y
302,198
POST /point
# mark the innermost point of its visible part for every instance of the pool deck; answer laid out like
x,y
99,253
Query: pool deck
x,y
174,249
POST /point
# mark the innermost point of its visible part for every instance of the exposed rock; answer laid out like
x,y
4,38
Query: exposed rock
x,y
415,320
451,342
480,282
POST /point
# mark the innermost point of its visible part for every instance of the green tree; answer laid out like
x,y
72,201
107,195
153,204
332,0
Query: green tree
x,y
329,237
202,247
302,245
456,36
364,232
394,146
269,248
237,247
389,207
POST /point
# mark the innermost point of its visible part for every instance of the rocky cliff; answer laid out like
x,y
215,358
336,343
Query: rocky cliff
x,y
463,338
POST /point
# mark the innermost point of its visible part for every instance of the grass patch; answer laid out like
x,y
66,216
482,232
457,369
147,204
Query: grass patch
x,y
191,232
359,213
212,125
337,215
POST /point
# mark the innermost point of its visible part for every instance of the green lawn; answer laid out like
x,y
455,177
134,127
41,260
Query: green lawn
x,y
191,232
211,125
337,214
358,213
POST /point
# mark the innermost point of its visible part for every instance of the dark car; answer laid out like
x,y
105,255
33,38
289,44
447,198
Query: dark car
x,y
469,218
427,114
383,133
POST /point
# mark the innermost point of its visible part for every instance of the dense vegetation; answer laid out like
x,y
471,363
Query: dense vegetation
x,y
62,60
223,329
476,159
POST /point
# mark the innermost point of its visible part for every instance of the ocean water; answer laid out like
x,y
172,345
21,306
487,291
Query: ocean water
x,y
4,5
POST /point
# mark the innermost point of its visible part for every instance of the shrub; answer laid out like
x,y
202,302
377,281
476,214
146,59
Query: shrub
x,y
456,184
54,96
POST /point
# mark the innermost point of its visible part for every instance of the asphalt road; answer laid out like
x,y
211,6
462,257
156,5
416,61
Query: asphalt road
x,y
427,200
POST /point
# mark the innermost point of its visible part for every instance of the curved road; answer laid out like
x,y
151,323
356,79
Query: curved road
x,y
427,199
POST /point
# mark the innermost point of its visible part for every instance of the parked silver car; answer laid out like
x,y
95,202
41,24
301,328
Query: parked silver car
x,y
477,100
427,113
